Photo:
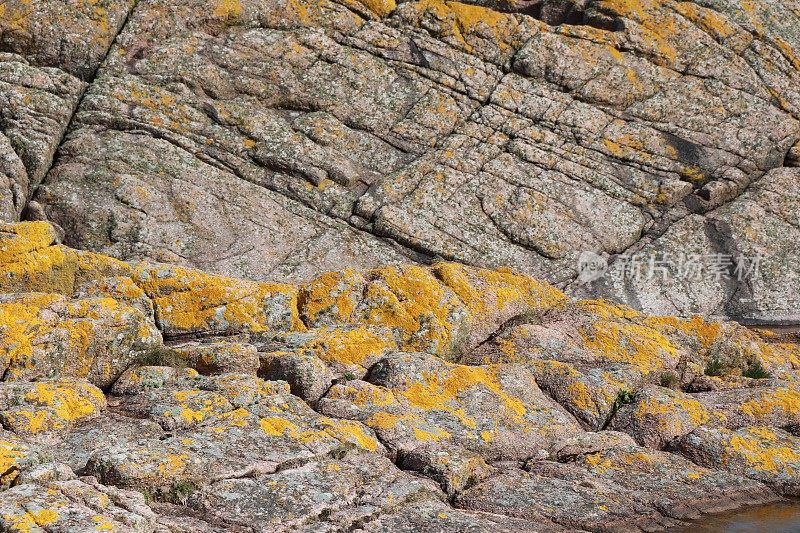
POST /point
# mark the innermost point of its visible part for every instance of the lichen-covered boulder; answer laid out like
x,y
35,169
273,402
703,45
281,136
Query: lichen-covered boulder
x,y
48,407
74,505
454,468
446,310
219,357
273,431
189,301
44,335
776,405
766,454
413,399
15,456
657,416
311,360
321,495
32,261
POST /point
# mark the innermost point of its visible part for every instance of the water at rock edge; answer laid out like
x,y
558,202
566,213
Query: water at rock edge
x,y
774,518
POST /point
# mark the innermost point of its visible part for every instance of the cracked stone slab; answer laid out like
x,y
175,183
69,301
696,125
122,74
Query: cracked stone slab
x,y
749,239
273,141
623,488
50,50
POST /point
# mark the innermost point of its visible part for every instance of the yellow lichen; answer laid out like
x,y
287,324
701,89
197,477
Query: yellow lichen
x,y
615,337
466,22
382,8
784,399
189,300
761,452
487,292
599,463
349,431
354,346
278,427
333,293
411,300
442,391
228,9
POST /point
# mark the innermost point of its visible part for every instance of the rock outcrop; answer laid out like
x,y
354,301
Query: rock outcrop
x,y
367,265
274,140
149,397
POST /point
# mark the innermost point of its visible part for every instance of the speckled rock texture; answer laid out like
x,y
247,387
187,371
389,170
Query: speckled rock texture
x,y
278,139
397,266
150,397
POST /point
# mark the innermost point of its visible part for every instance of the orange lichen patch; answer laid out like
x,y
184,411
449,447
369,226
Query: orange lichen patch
x,y
384,420
358,346
70,399
627,146
666,413
607,310
581,396
228,9
91,266
587,401
102,523
12,453
172,464
615,337
598,462
382,8
785,399
425,314
694,475
53,405
30,262
780,355
762,450
349,431
655,24
486,292
707,333
31,520
30,325
711,22
331,297
421,428
189,300
465,22
278,427
442,391
233,419
21,321
195,406
791,55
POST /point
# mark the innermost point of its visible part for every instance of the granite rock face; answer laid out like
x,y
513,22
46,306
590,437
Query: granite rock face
x,y
150,397
275,140
294,265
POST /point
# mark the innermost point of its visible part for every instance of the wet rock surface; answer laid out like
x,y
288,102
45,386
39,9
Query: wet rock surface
x,y
219,404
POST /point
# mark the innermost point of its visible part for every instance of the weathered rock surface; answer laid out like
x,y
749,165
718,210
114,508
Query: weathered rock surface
x,y
618,489
318,258
276,140
49,50
153,397
412,399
